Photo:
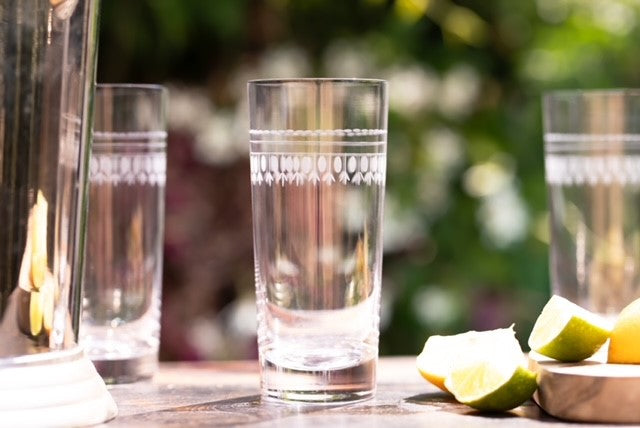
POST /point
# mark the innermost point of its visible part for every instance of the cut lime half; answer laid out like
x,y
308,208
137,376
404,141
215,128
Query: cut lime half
x,y
492,386
566,332
442,354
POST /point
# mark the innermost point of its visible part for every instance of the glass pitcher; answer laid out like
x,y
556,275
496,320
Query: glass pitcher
x,y
47,72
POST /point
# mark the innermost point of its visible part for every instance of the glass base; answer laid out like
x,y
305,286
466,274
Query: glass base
x,y
126,370
318,397
319,385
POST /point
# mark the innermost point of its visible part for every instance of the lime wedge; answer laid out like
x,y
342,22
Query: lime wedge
x,y
566,332
433,362
492,386
442,354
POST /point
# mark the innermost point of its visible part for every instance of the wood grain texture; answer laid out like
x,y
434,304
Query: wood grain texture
x,y
588,391
227,394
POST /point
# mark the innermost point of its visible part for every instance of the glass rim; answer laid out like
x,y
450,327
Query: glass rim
x,y
147,87
157,139
315,80
116,96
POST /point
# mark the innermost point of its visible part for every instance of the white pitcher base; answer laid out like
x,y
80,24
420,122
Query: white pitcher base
x,y
54,389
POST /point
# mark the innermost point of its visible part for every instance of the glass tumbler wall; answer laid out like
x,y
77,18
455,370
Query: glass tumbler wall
x,y
47,66
592,162
318,161
123,274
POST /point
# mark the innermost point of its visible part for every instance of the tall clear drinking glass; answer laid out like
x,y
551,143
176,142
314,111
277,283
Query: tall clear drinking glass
x,y
318,162
592,162
123,274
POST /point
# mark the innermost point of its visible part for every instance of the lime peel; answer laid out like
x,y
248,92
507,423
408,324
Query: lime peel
x,y
485,387
567,332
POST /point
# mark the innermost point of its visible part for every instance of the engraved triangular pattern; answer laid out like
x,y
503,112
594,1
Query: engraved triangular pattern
x,y
592,170
138,168
328,168
366,166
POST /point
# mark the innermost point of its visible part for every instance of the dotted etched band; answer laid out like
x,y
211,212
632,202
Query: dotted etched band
x,y
356,132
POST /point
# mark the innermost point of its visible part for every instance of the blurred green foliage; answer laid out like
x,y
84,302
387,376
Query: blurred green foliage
x,y
466,223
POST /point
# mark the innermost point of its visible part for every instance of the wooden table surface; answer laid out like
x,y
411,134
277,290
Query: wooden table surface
x,y
227,394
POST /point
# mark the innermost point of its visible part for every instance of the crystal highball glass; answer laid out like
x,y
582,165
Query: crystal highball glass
x,y
122,281
318,162
592,163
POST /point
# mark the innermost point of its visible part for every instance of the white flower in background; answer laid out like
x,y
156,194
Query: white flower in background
x,y
459,91
553,11
433,193
386,303
241,316
287,61
207,336
545,65
188,109
284,62
435,307
241,126
226,334
348,59
444,149
412,89
401,226
220,136
503,217
215,141
488,178
613,16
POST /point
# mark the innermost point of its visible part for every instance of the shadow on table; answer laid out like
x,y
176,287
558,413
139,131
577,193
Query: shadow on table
x,y
439,401
231,411
445,402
